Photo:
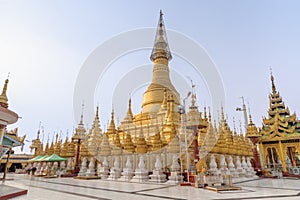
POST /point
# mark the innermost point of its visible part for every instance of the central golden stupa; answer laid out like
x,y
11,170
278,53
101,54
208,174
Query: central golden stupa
x,y
161,55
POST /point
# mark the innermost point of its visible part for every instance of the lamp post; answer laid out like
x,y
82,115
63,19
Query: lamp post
x,y
182,110
76,138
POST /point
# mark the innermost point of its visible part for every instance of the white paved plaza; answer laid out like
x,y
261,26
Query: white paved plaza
x,y
69,188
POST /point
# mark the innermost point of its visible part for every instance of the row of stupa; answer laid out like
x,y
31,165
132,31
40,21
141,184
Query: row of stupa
x,y
219,139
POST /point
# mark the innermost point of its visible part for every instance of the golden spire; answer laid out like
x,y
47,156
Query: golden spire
x,y
3,97
111,130
222,114
273,84
153,96
38,135
161,48
193,99
251,122
81,116
209,115
205,115
129,111
97,114
127,122
252,131
80,130
112,125
56,138
96,125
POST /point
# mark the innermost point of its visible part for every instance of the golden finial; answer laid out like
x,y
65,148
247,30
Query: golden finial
x,y
222,114
97,112
209,114
111,125
56,138
112,113
38,134
3,97
233,119
205,116
272,80
160,48
43,134
193,95
129,103
250,119
250,116
129,111
218,116
81,117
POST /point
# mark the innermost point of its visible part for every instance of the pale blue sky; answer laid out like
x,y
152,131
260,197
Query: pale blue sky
x,y
43,44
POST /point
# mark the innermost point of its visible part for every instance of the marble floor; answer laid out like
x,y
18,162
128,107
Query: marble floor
x,y
69,188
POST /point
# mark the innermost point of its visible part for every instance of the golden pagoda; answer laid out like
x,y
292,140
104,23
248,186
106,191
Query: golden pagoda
x,y
37,145
280,132
223,130
71,149
65,148
235,143
95,137
140,143
111,130
161,55
127,123
116,144
105,149
128,144
158,127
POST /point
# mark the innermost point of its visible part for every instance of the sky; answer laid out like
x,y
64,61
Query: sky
x,y
44,44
